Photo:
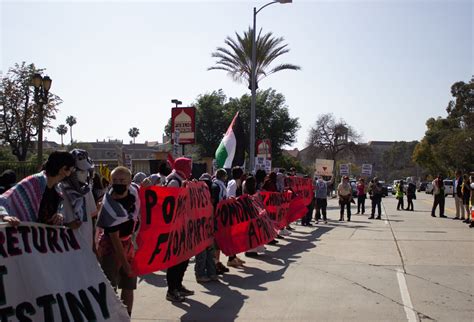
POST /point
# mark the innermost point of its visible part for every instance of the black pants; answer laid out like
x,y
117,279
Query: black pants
x,y
400,203
361,203
376,203
409,203
175,275
346,204
307,218
438,200
321,205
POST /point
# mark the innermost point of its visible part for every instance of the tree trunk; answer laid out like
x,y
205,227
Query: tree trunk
x,y
71,134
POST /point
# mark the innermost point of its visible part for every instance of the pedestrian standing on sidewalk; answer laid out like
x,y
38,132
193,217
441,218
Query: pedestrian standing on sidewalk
x,y
376,192
306,220
219,193
399,193
457,192
466,195
234,190
438,194
411,195
361,195
321,198
344,192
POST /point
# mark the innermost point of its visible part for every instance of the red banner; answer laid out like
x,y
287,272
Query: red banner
x,y
277,205
297,209
243,224
302,187
176,224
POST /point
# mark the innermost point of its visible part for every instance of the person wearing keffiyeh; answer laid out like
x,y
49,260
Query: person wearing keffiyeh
x,y
35,198
119,219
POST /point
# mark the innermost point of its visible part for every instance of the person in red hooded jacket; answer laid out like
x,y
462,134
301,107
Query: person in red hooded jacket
x,y
182,170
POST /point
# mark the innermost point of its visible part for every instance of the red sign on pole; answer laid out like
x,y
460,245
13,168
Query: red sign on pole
x,y
183,119
264,149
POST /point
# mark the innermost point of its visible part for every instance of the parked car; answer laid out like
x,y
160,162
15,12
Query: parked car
x,y
384,188
448,187
390,189
429,188
422,186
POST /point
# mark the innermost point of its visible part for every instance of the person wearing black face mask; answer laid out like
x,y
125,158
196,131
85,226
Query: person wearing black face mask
x,y
119,219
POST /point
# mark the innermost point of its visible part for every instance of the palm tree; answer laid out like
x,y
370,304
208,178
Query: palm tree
x,y
236,59
71,120
133,132
61,130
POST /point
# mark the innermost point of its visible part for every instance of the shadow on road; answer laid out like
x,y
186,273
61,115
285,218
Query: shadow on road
x,y
230,301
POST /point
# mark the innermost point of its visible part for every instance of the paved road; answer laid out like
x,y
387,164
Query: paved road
x,y
406,267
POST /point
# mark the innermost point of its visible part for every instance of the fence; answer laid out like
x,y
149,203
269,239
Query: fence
x,y
21,168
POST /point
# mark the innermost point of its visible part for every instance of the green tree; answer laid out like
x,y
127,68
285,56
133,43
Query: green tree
x,y
331,137
236,57
61,130
71,121
447,144
18,111
133,133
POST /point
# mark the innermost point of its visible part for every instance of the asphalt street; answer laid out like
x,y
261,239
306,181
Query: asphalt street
x,y
406,267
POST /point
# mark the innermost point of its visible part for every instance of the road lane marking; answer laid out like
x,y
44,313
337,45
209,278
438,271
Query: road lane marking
x,y
407,305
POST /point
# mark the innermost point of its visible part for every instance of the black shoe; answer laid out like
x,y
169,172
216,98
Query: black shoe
x,y
280,236
251,254
174,296
433,216
456,218
289,228
349,219
443,216
309,224
221,269
273,242
341,219
183,291
371,217
379,218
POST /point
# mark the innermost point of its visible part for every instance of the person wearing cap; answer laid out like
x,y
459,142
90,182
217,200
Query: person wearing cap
x,y
344,191
182,171
35,198
78,206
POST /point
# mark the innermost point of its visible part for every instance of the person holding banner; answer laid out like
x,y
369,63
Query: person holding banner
x,y
119,219
344,191
205,267
35,198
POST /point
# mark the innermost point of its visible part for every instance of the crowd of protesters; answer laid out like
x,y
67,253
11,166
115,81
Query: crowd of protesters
x,y
106,211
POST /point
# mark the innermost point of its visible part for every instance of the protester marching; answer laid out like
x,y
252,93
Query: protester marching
x,y
110,228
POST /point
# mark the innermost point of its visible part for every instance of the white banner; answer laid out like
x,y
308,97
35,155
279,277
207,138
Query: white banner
x,y
344,169
367,169
47,274
324,167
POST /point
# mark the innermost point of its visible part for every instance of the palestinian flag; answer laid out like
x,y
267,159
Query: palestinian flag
x,y
230,152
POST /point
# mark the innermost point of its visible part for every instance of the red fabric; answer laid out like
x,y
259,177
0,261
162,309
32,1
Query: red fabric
x,y
277,205
297,209
302,187
243,224
176,224
184,167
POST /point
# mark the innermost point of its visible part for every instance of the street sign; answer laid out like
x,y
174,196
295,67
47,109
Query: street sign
x,y
367,169
344,169
324,167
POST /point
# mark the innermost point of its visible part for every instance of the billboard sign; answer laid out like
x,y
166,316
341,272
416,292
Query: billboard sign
x,y
183,119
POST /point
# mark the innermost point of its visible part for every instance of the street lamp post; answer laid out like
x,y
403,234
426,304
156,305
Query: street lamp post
x,y
42,86
253,81
176,132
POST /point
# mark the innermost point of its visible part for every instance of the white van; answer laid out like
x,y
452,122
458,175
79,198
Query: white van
x,y
448,187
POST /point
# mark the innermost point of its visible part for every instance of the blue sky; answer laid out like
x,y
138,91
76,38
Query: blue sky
x,y
385,67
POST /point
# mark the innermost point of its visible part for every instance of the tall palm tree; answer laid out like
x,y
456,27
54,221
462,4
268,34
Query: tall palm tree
x,y
71,120
61,130
236,58
133,133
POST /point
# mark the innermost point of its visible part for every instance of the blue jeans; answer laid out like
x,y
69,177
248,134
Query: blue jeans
x,y
205,265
